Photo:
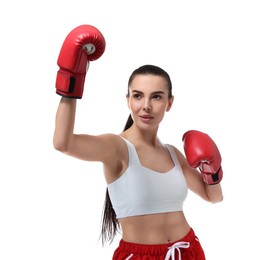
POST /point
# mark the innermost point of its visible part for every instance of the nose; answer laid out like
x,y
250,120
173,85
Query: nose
x,y
147,106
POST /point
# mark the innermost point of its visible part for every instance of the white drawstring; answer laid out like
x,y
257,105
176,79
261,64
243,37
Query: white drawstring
x,y
176,246
129,256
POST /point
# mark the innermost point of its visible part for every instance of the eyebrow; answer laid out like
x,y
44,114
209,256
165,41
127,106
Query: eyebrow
x,y
153,93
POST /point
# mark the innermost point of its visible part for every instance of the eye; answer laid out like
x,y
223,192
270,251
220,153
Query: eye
x,y
157,97
137,96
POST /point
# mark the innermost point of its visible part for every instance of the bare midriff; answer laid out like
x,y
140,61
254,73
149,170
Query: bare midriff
x,y
154,229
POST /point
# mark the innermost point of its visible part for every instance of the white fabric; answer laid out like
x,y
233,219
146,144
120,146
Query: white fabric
x,y
171,250
142,191
129,256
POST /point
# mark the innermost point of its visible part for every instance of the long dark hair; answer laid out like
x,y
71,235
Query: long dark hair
x,y
110,224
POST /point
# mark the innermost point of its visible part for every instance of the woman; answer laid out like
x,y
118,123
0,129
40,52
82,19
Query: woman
x,y
147,181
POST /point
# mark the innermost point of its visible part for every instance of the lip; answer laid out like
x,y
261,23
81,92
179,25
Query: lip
x,y
146,118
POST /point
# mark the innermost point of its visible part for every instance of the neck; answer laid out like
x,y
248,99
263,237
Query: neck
x,y
139,135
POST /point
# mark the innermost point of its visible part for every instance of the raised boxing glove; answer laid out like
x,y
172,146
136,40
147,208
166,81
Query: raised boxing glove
x,y
83,44
202,152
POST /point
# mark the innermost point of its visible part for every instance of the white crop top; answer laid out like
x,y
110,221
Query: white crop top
x,y
141,191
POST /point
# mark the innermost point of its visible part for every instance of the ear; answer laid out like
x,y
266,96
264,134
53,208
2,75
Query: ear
x,y
170,103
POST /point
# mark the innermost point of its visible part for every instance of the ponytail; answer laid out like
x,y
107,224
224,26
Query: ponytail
x,y
110,224
129,123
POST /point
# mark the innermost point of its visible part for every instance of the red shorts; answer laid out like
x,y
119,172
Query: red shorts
x,y
188,248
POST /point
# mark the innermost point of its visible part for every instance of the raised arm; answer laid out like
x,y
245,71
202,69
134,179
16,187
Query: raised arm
x,y
83,44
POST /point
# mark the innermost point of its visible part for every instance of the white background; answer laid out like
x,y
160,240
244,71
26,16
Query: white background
x,y
218,54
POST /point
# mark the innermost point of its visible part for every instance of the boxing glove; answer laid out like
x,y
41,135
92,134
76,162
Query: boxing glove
x,y
202,152
83,44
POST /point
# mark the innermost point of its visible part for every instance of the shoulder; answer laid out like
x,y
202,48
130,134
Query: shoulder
x,y
191,174
115,148
180,156
187,169
114,143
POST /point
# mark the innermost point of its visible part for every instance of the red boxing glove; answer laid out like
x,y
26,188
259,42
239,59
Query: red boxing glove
x,y
83,44
202,152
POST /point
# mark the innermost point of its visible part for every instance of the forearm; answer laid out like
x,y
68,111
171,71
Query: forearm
x,y
214,192
64,123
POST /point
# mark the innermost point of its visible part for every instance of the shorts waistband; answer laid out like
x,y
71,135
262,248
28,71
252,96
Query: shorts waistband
x,y
158,249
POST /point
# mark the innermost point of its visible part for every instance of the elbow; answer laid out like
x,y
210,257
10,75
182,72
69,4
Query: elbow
x,y
217,199
60,145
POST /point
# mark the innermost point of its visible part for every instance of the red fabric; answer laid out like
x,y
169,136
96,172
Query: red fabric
x,y
134,251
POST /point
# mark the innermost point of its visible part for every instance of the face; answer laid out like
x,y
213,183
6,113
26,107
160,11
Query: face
x,y
148,100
